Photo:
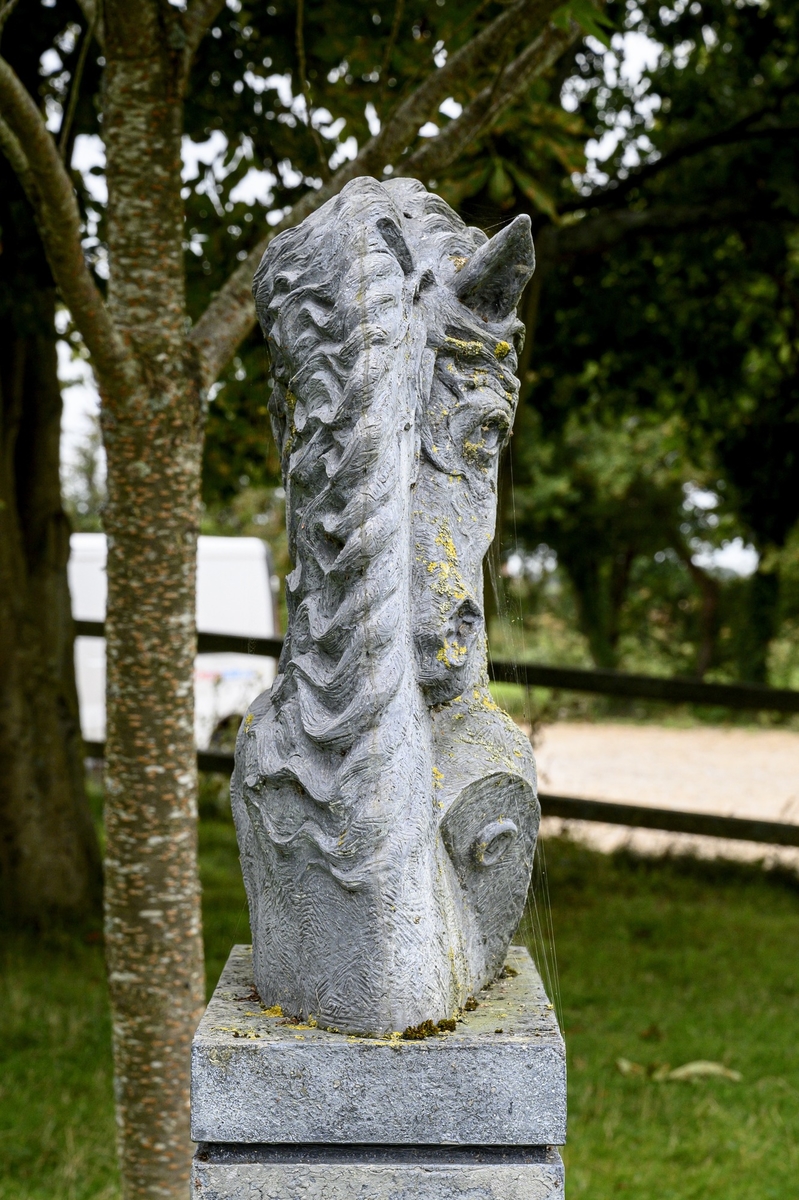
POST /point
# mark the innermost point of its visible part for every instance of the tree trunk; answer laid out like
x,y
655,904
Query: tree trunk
x,y
49,857
710,593
594,610
758,627
153,443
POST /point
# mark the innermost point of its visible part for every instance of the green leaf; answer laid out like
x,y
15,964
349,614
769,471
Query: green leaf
x,y
534,192
590,19
561,17
500,186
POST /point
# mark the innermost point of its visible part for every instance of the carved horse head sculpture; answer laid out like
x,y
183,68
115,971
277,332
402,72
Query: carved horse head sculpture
x,y
385,807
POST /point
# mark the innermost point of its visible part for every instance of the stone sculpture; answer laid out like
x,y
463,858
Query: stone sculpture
x,y
385,807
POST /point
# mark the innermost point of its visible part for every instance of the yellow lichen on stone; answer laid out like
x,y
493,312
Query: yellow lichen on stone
x,y
502,349
438,777
250,1034
449,583
220,1056
476,453
467,349
444,539
485,700
274,1011
451,654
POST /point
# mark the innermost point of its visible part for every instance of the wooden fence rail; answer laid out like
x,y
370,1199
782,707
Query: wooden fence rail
x,y
607,683
574,808
649,687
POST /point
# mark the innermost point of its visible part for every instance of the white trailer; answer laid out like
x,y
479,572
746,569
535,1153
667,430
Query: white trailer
x,y
236,592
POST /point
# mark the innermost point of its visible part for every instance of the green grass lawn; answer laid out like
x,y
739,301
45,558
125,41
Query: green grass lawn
x,y
670,962
659,962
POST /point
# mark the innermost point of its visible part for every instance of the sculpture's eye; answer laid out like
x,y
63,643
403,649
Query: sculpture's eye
x,y
492,842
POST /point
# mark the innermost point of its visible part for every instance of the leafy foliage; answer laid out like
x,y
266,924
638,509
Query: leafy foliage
x,y
668,300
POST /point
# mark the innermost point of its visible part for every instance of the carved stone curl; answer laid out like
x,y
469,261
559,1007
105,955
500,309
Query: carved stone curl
x,y
385,807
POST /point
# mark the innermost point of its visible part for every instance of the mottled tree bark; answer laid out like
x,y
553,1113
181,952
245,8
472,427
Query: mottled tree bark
x,y
49,857
153,443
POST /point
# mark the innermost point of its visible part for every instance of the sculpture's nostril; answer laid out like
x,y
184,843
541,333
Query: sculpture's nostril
x,y
468,618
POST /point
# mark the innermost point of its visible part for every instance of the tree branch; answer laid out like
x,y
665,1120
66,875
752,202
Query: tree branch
x,y
302,71
200,16
479,55
388,53
69,115
55,207
739,131
92,11
6,11
230,316
484,109
12,149
592,235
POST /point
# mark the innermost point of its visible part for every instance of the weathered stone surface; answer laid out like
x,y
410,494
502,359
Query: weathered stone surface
x,y
379,1173
498,1079
386,809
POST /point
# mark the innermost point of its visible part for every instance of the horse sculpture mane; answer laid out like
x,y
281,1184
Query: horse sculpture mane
x,y
385,808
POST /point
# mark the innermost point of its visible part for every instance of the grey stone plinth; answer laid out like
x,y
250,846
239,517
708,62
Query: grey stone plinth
x,y
499,1079
380,1173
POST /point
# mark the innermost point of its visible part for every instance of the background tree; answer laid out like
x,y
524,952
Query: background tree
x,y
665,294
662,297
605,498
157,352
49,857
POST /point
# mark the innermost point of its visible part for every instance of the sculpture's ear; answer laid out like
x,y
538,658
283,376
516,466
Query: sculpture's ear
x,y
493,279
391,235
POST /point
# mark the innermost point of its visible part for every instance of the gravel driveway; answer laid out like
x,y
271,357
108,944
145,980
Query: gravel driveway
x,y
732,772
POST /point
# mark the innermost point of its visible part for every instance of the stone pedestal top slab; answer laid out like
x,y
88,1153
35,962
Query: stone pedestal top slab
x,y
499,1078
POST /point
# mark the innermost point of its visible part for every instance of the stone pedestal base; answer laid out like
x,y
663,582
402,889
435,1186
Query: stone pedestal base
x,y
379,1173
284,1111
